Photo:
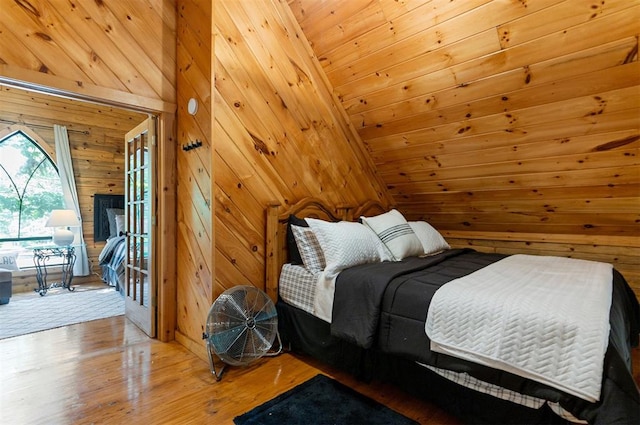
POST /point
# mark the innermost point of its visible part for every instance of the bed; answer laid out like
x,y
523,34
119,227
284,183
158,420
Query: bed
x,y
373,319
111,260
109,227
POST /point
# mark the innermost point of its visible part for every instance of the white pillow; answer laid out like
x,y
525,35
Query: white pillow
x,y
394,231
111,216
346,244
309,248
432,241
9,260
119,224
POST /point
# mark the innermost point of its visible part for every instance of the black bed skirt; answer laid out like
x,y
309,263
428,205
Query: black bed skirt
x,y
304,333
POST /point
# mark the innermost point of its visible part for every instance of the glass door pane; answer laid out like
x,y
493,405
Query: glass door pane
x,y
140,290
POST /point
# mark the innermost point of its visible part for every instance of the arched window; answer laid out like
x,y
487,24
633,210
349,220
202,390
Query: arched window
x,y
30,189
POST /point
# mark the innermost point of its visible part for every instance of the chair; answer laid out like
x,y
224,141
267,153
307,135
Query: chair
x,y
5,286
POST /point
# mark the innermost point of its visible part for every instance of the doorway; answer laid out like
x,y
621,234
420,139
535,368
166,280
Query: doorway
x,y
42,101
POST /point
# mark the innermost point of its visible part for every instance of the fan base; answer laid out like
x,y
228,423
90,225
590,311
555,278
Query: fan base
x,y
218,374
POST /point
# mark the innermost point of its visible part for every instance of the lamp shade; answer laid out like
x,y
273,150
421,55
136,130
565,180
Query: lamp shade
x,y
61,219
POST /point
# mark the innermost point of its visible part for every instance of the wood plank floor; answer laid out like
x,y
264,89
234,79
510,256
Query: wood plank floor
x,y
108,372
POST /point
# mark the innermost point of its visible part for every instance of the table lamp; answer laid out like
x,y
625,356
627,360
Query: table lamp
x,y
61,220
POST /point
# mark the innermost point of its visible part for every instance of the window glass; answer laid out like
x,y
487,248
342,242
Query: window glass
x,y
29,190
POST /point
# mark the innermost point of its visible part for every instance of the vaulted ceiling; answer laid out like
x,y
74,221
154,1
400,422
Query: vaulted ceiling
x,y
478,114
486,114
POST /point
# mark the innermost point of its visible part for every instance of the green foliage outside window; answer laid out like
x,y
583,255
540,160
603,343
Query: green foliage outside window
x,y
29,189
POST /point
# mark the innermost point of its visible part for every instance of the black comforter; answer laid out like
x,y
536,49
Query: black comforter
x,y
385,306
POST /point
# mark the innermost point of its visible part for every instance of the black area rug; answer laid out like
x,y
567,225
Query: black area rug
x,y
322,400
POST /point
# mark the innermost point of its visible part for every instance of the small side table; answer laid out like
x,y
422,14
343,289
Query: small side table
x,y
41,257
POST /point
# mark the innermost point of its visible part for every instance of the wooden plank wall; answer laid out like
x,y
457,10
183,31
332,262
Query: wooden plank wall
x,y
509,125
96,138
195,233
276,136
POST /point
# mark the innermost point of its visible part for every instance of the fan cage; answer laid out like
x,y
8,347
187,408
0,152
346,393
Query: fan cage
x,y
242,325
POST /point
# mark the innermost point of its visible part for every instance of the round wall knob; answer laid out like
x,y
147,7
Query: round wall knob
x,y
192,106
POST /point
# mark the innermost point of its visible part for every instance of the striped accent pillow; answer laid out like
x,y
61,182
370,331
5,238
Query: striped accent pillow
x,y
309,248
394,231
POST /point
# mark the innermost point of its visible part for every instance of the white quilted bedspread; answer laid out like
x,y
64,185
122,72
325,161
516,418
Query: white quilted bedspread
x,y
543,318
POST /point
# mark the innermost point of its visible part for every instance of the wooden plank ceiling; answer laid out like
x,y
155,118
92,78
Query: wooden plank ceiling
x,y
125,46
492,116
479,115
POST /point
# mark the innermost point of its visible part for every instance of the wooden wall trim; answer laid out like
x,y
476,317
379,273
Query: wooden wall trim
x,y
199,349
620,251
58,86
166,231
628,241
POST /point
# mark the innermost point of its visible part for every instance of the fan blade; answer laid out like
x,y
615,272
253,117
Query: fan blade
x,y
223,316
265,342
262,309
267,315
232,301
223,340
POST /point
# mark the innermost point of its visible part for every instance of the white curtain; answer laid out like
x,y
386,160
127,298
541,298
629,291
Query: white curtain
x,y
65,169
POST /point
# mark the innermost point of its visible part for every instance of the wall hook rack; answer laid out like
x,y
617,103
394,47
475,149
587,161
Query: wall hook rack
x,y
192,145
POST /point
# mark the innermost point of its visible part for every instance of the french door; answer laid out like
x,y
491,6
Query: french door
x,y
140,216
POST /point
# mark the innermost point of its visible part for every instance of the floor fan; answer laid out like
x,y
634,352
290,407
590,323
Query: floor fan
x,y
242,326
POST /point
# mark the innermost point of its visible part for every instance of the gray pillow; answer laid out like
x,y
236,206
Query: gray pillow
x,y
111,215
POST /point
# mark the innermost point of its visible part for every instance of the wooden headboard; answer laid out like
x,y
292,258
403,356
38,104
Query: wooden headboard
x,y
276,231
